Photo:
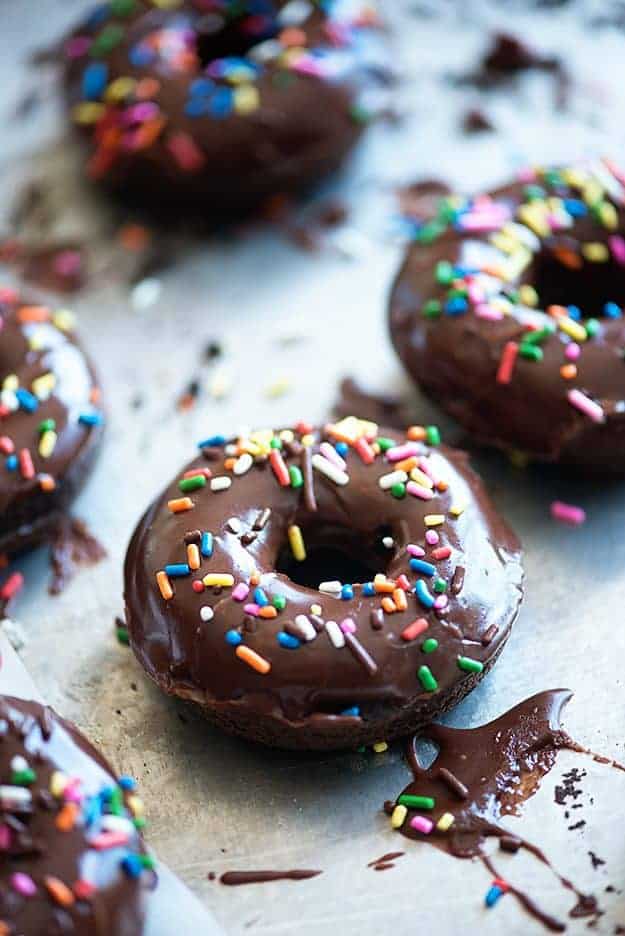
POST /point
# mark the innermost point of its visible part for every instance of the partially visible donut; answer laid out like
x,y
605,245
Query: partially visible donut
x,y
509,314
73,859
241,594
210,104
51,419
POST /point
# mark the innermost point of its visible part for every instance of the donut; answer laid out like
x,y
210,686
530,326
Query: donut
x,y
73,859
206,103
50,419
508,313
322,588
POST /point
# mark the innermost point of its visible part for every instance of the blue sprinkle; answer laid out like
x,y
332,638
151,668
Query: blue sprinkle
x,y
201,87
94,80
127,783
132,866
422,593
288,642
347,592
368,589
91,419
92,810
141,55
233,638
574,312
612,310
177,569
456,306
197,107
98,16
221,102
353,712
27,400
342,448
206,545
212,441
260,597
11,463
419,565
493,896
575,207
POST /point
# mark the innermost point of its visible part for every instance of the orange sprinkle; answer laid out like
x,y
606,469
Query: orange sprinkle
x,y
388,605
441,485
253,659
568,371
292,37
399,597
4,929
147,134
47,483
164,585
95,395
255,578
147,88
193,556
66,818
557,310
180,504
60,893
416,433
268,611
407,464
568,258
229,463
382,584
34,314
133,237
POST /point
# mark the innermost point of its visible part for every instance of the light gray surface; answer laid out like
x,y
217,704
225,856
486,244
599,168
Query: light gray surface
x,y
216,803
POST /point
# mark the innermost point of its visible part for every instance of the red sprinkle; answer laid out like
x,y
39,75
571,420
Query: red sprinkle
x,y
6,445
413,630
507,362
12,586
442,552
26,464
197,586
279,468
364,450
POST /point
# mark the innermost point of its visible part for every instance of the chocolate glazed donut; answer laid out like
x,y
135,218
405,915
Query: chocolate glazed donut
x,y
72,858
241,584
201,105
512,317
50,421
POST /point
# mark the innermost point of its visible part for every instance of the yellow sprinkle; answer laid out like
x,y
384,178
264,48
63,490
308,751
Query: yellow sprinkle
x,y
193,556
445,822
595,252
608,215
308,440
278,388
316,609
287,435
222,579
432,520
164,585
518,262
421,478
36,341
43,386
64,320
166,4
571,328
592,192
457,509
120,88
528,295
504,242
380,746
87,112
11,382
533,216
296,542
47,443
135,804
246,99
58,782
398,816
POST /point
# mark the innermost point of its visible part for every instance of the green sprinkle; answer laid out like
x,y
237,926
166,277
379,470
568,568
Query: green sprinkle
x,y
534,192
469,665
279,602
122,7
116,802
122,635
440,586
147,861
398,490
592,327
47,425
536,337
139,822
192,484
430,232
275,443
432,435
360,114
416,802
296,477
23,777
429,645
444,273
426,678
386,444
431,309
531,352
110,36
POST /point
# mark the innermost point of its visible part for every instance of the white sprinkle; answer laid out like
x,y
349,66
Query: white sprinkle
x,y
388,542
222,483
117,824
326,468
14,794
206,613
335,634
19,763
266,51
306,629
394,477
331,588
294,13
243,464
230,449
234,525
145,294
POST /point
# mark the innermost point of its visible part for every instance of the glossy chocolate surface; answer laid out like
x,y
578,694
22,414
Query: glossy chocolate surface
x,y
561,233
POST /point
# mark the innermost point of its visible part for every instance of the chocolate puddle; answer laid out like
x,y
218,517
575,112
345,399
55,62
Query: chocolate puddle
x,y
73,545
234,878
482,774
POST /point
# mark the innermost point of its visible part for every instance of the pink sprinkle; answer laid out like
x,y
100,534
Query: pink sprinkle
x,y
431,537
67,262
241,592
403,583
441,602
568,513
572,351
416,551
7,294
106,840
586,406
476,293
252,609
488,312
418,491
23,884
617,246
185,151
526,175
426,468
421,824
399,452
5,837
72,792
140,113
348,626
332,455
77,46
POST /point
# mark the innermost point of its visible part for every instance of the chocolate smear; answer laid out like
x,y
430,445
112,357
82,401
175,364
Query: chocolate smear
x,y
73,545
235,878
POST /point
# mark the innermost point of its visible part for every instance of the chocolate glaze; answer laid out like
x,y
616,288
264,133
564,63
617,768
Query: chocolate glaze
x,y
300,702
455,358
28,512
38,848
482,774
235,878
300,129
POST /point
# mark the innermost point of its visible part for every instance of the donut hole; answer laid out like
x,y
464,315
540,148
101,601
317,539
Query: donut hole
x,y
338,553
583,284
218,37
